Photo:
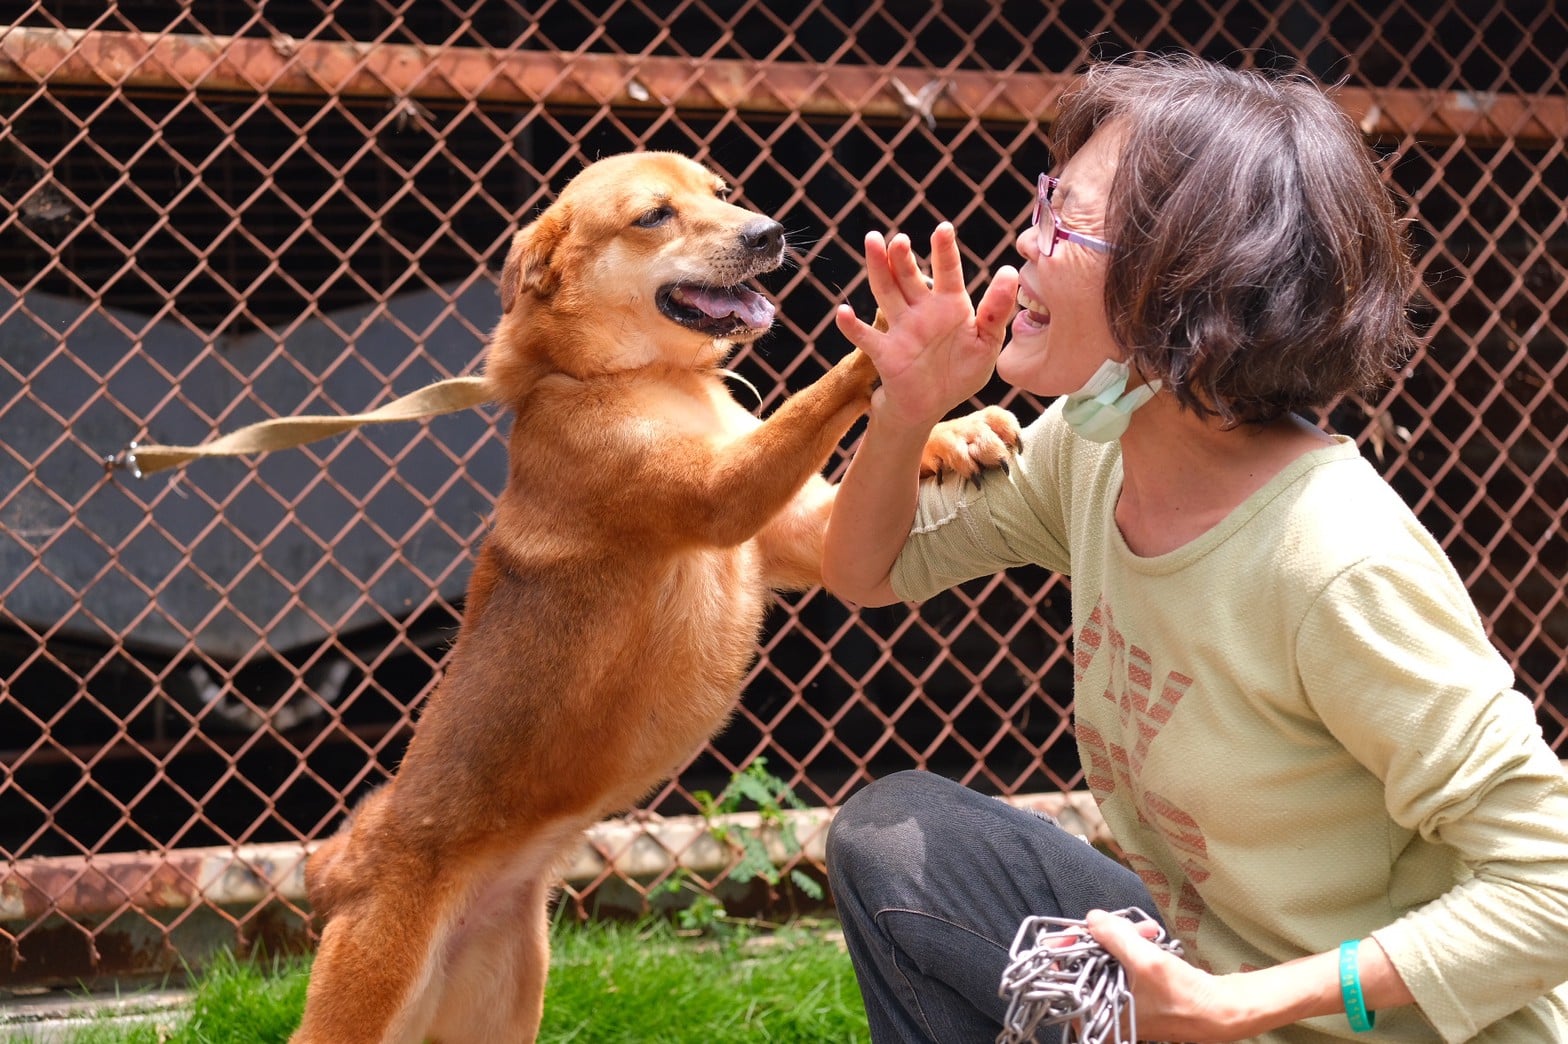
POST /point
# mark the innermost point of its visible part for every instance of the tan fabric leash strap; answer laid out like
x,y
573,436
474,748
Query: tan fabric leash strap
x,y
433,400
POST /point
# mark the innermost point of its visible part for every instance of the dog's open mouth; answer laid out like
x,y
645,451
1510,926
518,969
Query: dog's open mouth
x,y
718,311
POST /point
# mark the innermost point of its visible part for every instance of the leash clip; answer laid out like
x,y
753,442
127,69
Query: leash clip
x,y
125,460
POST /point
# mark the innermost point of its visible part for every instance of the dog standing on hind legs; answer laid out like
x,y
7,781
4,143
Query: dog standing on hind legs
x,y
615,604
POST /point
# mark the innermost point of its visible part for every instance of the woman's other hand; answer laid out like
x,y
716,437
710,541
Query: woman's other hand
x,y
1175,1000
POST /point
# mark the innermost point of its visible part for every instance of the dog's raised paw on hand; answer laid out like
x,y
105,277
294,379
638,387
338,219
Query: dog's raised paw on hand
x,y
967,446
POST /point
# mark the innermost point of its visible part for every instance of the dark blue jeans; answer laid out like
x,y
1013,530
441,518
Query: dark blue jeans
x,y
932,880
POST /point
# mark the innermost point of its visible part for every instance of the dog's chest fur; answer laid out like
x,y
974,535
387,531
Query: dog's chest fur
x,y
588,628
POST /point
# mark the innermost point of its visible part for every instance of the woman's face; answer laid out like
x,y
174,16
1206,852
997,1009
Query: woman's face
x,y
1061,334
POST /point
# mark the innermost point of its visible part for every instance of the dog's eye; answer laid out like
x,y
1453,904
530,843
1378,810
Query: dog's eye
x,y
655,217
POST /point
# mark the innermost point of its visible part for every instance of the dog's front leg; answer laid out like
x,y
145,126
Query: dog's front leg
x,y
723,495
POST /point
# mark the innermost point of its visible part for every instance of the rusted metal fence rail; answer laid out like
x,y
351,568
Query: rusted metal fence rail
x,y
221,212
281,66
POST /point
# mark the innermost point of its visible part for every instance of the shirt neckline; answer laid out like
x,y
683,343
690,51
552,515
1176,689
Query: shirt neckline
x,y
1344,448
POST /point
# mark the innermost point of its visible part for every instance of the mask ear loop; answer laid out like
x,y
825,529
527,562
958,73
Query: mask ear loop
x,y
1101,410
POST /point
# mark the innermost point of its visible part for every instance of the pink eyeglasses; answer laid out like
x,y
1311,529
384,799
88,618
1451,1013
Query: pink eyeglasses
x,y
1042,207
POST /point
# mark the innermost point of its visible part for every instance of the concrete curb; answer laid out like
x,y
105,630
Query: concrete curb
x,y
53,1019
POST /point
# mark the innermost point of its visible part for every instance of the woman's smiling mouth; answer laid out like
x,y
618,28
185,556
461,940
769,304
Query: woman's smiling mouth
x,y
1034,313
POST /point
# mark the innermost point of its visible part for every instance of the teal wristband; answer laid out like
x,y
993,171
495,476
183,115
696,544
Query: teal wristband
x,y
1356,1011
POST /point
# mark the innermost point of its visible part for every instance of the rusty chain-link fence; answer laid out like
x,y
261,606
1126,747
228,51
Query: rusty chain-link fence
x,y
222,211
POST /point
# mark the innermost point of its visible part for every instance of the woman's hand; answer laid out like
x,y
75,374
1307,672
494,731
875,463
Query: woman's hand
x,y
938,349
935,353
1175,1000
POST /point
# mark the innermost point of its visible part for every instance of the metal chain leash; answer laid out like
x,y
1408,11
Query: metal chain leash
x,y
1058,974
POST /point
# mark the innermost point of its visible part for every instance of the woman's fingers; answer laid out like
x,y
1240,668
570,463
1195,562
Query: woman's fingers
x,y
1125,940
935,345
947,267
879,274
996,308
860,334
912,283
1176,1001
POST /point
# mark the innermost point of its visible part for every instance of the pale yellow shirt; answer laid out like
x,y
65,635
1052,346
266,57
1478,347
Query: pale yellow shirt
x,y
1297,730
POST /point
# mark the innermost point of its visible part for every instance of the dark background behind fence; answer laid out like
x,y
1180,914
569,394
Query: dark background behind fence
x,y
219,212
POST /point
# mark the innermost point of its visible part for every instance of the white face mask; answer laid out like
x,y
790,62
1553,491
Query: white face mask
x,y
1099,411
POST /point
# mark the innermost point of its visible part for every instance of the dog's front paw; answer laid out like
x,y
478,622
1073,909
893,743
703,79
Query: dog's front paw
x,y
966,446
861,373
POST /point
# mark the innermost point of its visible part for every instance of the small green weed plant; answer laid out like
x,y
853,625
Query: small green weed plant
x,y
754,787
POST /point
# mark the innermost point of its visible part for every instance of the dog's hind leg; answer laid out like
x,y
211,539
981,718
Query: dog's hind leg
x,y
373,981
493,989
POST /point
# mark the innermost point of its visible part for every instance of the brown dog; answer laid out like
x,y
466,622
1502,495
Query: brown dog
x,y
614,609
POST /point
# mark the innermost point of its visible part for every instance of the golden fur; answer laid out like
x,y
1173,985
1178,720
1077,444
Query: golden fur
x,y
613,610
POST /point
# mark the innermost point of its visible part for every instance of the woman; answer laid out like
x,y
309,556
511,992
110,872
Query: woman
x,y
1285,702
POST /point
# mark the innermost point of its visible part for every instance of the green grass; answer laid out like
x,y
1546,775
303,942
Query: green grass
x,y
609,984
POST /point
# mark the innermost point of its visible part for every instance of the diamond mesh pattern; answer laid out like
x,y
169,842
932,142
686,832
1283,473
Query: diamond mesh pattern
x,y
222,212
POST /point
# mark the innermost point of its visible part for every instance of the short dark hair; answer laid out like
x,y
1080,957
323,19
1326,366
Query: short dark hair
x,y
1259,267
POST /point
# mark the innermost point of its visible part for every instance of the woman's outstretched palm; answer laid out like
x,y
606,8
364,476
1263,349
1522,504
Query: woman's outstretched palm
x,y
938,349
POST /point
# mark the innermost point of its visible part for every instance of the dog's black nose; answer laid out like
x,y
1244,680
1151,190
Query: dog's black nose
x,y
763,236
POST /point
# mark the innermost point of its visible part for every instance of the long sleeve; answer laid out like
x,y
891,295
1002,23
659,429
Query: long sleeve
x,y
1397,665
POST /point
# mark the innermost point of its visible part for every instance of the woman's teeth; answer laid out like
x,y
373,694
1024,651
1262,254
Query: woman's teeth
x,y
1036,309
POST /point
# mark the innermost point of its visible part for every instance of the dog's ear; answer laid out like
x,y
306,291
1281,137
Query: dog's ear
x,y
528,265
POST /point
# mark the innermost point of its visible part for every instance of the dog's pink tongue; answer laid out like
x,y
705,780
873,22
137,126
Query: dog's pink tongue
x,y
722,302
